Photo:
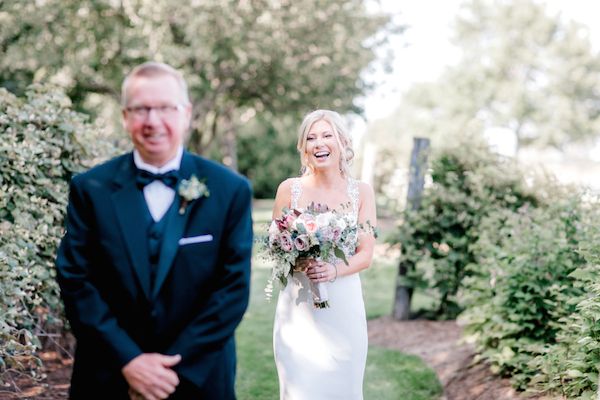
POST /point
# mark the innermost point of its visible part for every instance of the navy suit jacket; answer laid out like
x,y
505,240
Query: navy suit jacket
x,y
201,288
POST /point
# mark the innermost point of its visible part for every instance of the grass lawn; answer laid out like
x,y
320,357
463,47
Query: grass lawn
x,y
390,375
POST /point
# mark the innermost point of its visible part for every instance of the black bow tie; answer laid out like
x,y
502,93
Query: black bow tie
x,y
169,178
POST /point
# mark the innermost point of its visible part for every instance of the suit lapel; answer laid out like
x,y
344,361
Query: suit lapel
x,y
129,205
175,228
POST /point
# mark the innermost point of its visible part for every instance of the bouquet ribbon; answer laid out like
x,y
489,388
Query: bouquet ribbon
x,y
320,295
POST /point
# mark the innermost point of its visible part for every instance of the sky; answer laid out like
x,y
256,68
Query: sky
x,y
424,49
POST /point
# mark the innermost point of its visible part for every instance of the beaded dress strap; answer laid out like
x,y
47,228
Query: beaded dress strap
x,y
354,194
296,192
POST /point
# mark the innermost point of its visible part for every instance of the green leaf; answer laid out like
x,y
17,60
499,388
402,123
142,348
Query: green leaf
x,y
339,253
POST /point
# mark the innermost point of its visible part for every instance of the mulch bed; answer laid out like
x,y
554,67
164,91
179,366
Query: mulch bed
x,y
54,386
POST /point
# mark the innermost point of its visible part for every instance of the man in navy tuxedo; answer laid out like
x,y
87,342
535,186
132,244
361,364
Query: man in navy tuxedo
x,y
154,267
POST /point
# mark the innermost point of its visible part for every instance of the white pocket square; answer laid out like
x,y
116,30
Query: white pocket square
x,y
195,239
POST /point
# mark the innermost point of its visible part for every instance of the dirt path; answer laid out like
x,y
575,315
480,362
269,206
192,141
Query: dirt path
x,y
437,343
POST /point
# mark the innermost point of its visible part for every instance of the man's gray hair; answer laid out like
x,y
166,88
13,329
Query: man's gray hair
x,y
152,69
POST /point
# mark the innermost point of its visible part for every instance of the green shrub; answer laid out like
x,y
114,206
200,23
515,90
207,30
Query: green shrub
x,y
570,366
520,289
43,143
469,182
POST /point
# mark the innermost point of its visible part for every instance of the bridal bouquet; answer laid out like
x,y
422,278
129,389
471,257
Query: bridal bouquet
x,y
315,232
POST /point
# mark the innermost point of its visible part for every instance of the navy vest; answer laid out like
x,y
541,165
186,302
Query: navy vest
x,y
155,235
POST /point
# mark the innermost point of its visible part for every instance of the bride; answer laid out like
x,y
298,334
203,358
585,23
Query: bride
x,y
321,353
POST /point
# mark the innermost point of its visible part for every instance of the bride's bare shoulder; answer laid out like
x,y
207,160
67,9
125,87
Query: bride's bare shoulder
x,y
365,192
285,187
364,187
283,197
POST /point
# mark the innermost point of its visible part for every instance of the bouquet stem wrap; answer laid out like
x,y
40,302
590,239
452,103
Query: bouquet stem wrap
x,y
320,295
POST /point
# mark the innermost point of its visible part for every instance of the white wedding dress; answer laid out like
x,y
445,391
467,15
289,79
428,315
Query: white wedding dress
x,y
321,353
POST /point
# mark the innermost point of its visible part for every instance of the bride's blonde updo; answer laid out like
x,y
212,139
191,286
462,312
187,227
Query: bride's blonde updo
x,y
340,132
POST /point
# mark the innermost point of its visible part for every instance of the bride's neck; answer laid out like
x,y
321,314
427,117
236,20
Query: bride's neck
x,y
327,179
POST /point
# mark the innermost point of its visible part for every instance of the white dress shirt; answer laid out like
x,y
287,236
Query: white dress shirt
x,y
159,196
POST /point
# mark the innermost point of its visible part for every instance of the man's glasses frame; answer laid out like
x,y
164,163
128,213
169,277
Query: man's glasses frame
x,y
142,112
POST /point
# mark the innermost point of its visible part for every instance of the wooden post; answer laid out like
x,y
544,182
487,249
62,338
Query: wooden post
x,y
416,182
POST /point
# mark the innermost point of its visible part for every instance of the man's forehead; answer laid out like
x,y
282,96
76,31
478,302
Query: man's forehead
x,y
160,86
151,80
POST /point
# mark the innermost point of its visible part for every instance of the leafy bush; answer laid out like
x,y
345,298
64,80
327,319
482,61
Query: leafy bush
x,y
43,143
469,182
519,290
570,366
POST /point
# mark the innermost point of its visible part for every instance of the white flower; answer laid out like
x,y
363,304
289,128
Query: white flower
x,y
324,219
341,223
273,231
190,190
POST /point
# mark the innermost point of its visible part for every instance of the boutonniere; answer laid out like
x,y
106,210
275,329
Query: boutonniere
x,y
190,190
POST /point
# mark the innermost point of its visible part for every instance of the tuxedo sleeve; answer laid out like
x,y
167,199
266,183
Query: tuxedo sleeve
x,y
86,310
216,321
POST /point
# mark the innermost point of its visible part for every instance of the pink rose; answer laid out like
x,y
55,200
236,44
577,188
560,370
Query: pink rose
x,y
311,226
302,243
289,219
282,224
309,223
285,241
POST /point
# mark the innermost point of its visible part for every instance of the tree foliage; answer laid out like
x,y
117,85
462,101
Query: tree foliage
x,y
532,72
241,58
268,159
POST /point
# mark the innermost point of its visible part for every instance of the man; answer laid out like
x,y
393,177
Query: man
x,y
155,264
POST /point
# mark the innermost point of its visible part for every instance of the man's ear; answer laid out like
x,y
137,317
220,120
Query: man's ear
x,y
188,114
188,110
123,118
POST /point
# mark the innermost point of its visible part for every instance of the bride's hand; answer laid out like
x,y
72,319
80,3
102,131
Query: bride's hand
x,y
303,264
322,271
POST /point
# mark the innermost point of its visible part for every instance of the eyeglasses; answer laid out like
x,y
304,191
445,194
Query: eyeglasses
x,y
141,112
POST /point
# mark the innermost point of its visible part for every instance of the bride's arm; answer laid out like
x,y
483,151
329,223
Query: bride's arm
x,y
366,242
282,198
